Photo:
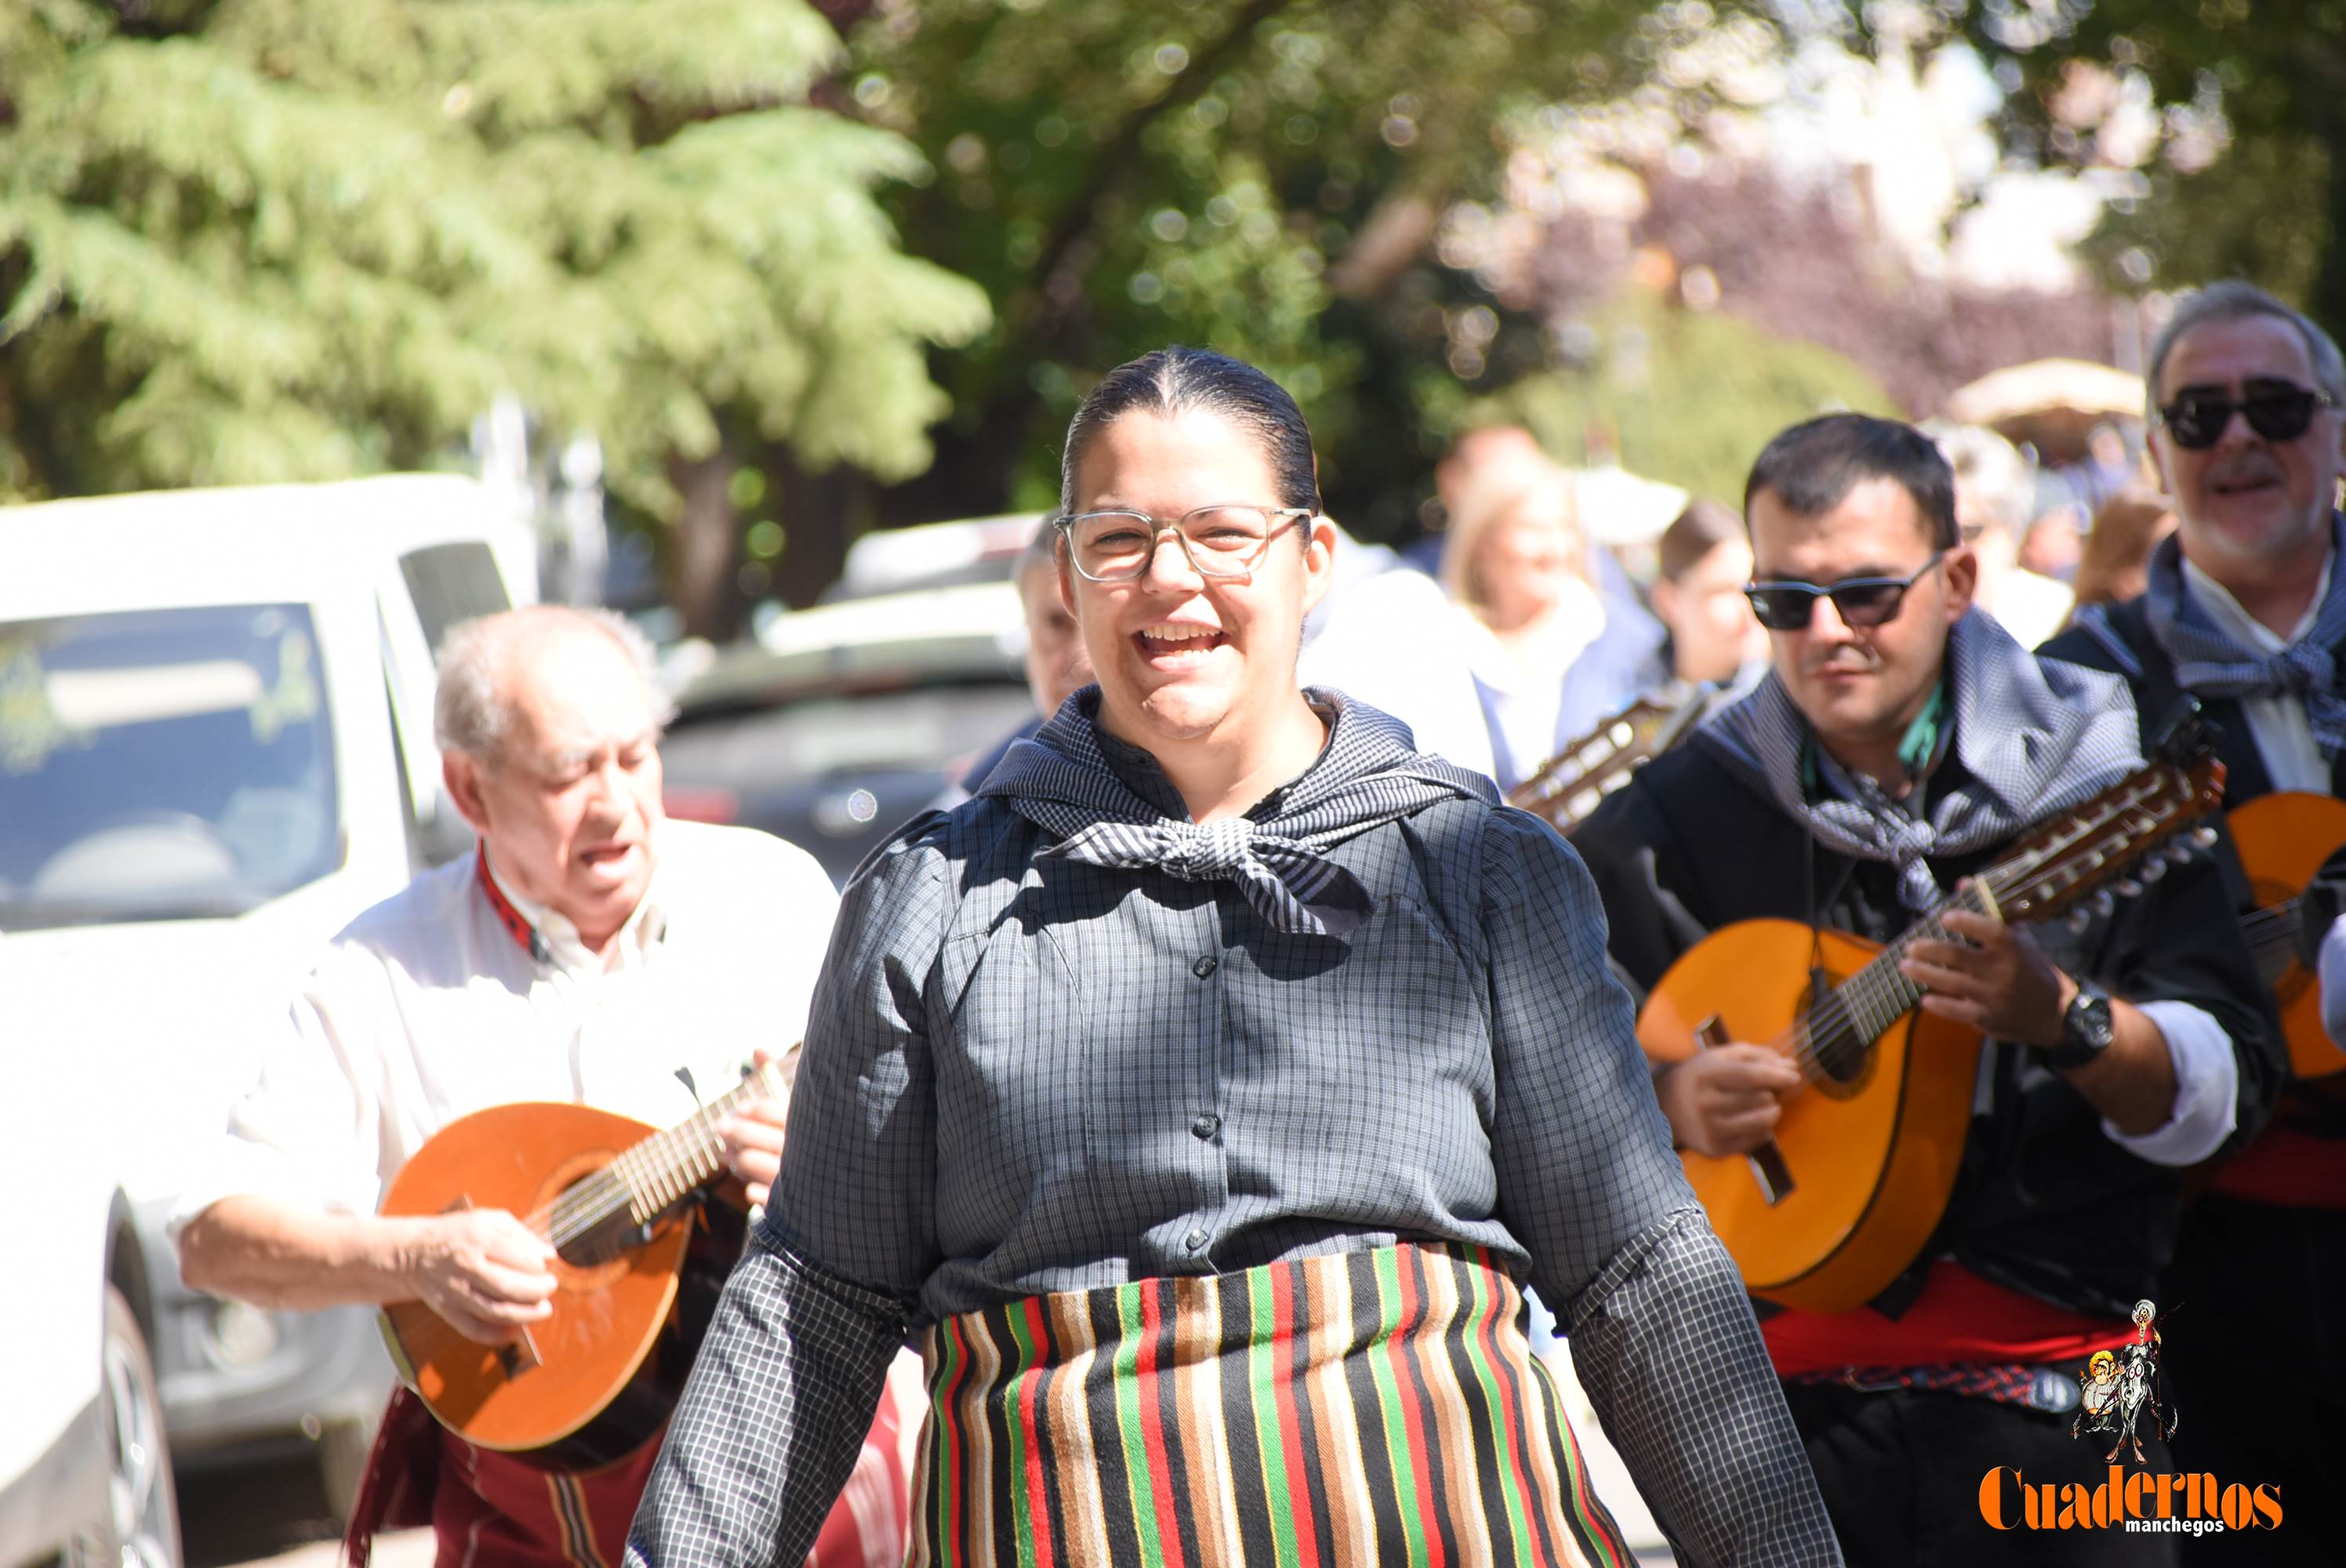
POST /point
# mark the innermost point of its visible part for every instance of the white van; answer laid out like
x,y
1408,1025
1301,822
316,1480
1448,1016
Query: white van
x,y
215,749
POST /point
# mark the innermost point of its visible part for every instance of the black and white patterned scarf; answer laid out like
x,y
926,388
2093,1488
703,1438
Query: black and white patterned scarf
x,y
2208,662
2035,738
1368,775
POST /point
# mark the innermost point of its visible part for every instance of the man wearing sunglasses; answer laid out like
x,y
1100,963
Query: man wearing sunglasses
x,y
1902,742
2246,610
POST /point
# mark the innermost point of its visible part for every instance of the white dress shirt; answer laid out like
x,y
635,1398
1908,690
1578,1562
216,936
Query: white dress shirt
x,y
2283,735
427,1008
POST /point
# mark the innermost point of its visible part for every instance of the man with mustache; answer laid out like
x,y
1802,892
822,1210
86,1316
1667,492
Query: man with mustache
x,y
1901,742
2246,610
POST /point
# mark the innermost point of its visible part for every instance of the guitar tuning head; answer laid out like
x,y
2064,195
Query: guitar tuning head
x,y
2203,836
2078,921
2104,902
2152,868
2127,887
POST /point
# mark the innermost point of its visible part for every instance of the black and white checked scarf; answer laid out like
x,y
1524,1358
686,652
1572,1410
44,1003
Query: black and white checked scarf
x,y
2035,738
1368,775
2210,663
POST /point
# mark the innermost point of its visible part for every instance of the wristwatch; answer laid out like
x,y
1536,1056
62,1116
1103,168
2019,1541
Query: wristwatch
x,y
2086,1029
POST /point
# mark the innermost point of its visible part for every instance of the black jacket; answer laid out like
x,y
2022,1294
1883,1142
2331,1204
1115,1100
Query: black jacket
x,y
2046,1203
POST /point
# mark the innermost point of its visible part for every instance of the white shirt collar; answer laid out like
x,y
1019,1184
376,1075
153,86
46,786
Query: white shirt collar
x,y
646,925
2243,627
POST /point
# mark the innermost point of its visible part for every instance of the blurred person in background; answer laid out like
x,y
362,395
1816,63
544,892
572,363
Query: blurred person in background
x,y
1473,456
591,950
1995,492
1057,664
1551,656
2116,564
1229,1055
2053,544
1703,561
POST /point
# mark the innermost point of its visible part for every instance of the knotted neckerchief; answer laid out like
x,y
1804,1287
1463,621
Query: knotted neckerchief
x,y
2209,662
1366,776
2035,739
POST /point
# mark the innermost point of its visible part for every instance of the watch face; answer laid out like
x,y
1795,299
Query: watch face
x,y
2087,1026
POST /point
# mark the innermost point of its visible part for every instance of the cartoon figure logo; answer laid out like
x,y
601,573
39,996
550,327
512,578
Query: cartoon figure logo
x,y
2116,1389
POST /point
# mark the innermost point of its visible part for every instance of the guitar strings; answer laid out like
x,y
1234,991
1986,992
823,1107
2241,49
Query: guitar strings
x,y
1879,988
654,1173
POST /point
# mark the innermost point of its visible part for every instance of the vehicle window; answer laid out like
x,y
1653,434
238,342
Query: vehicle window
x,y
162,764
452,583
914,730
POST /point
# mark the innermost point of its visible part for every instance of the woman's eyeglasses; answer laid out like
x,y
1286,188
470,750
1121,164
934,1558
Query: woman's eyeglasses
x,y
1789,606
2278,411
1219,541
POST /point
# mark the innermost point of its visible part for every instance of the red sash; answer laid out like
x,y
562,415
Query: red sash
x,y
489,1510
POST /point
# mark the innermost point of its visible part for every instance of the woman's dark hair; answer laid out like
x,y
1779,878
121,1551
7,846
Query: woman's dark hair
x,y
1173,381
1702,527
1813,466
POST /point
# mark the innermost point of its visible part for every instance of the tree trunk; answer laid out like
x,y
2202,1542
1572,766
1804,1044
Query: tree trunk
x,y
704,583
821,514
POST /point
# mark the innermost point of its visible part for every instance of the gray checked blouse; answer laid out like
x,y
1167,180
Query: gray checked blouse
x,y
1027,1071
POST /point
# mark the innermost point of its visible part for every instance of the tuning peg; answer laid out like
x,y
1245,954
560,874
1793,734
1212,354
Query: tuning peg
x,y
2152,868
2078,921
2104,902
2203,836
2127,887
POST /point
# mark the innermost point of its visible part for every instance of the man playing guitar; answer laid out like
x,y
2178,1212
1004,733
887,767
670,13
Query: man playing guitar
x,y
2247,610
1900,742
591,951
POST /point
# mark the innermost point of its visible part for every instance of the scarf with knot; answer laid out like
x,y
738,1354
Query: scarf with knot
x,y
1369,774
2209,662
2035,738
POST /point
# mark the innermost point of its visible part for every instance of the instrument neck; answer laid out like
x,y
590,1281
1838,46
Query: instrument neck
x,y
1879,995
664,1167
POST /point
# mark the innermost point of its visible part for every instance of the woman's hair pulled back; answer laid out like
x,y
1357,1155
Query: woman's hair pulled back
x,y
1174,380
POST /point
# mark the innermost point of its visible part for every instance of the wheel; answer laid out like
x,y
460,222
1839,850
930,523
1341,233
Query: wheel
x,y
143,1512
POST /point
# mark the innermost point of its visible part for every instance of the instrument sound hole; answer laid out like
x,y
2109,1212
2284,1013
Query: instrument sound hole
x,y
1843,1057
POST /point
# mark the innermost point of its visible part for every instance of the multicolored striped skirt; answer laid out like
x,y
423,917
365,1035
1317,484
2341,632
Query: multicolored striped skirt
x,y
1361,1408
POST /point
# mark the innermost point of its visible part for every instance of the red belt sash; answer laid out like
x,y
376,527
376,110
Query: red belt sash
x,y
490,1510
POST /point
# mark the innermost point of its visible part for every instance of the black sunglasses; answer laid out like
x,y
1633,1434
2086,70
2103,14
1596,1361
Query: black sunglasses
x,y
1858,601
2278,411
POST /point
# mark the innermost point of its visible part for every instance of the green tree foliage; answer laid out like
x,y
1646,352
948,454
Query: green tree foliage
x,y
275,240
2263,199
1682,396
1263,176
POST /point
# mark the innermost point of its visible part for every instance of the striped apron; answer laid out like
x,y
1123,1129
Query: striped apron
x,y
1361,1408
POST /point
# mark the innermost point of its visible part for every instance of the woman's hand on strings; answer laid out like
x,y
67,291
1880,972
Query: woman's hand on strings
x,y
1725,1100
753,1140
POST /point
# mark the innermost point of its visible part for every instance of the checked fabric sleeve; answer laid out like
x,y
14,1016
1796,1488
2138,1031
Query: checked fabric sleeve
x,y
1661,1331
772,1418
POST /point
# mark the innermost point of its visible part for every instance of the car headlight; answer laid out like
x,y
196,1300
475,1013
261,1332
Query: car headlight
x,y
241,1336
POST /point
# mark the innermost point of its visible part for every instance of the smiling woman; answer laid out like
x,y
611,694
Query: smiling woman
x,y
1206,1090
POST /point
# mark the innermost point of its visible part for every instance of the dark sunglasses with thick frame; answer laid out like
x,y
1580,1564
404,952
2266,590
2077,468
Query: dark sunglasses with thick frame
x,y
1789,607
2276,411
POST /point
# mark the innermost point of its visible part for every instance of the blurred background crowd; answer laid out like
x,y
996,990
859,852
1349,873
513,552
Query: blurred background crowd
x,y
759,320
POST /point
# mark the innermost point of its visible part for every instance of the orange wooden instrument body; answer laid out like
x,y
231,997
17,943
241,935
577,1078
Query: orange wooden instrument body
x,y
2282,839
599,1375
1872,1162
